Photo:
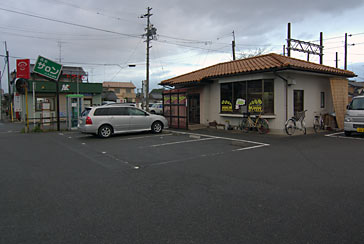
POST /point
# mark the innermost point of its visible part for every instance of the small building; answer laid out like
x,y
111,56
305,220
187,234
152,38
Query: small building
x,y
275,85
355,89
43,91
155,96
125,91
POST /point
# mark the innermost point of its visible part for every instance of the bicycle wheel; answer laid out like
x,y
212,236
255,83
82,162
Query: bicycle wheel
x,y
263,126
290,126
316,125
244,125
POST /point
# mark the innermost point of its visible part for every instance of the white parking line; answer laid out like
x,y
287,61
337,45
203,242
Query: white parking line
x,y
142,137
179,142
223,138
252,147
336,135
333,134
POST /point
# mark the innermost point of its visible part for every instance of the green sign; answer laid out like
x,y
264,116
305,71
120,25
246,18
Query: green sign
x,y
47,68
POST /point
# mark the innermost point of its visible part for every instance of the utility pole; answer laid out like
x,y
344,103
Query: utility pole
x,y
60,51
233,45
150,34
289,40
322,48
346,52
150,31
7,63
337,60
10,108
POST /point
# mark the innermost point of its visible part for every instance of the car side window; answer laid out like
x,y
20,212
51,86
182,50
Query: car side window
x,y
136,112
118,111
101,112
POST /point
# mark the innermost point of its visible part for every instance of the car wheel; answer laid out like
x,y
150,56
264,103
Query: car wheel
x,y
347,133
105,131
157,127
152,112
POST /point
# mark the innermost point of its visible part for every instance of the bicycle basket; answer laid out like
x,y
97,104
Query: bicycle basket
x,y
300,116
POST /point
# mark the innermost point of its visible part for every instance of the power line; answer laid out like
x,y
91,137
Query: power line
x,y
94,11
16,29
70,23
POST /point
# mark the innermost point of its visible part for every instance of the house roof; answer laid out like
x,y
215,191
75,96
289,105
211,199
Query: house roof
x,y
114,84
356,84
263,63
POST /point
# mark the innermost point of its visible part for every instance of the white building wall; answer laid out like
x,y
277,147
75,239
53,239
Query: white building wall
x,y
312,84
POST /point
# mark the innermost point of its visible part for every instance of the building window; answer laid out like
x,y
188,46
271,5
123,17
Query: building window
x,y
268,97
45,100
322,99
248,96
227,98
298,101
128,90
117,90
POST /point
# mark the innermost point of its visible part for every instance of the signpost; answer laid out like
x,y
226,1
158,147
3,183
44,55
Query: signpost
x,y
51,70
23,68
47,68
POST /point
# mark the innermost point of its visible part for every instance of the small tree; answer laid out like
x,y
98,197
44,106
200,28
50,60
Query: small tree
x,y
252,53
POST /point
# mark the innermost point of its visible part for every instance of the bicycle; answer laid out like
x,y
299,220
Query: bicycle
x,y
250,122
318,123
296,123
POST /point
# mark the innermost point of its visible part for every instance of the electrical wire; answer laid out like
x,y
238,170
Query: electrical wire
x,y
70,23
94,11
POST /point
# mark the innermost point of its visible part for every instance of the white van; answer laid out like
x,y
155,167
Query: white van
x,y
354,118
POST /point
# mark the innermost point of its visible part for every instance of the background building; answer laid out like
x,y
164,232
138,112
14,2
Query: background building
x,y
125,91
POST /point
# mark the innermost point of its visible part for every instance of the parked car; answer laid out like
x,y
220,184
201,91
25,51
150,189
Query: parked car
x,y
156,108
354,118
105,121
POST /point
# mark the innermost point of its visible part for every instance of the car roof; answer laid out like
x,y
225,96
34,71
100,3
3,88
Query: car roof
x,y
119,105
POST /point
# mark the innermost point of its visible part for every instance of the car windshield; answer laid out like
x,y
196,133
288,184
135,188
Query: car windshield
x,y
357,104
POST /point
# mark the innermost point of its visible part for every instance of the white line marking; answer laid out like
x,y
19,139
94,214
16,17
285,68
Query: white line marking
x,y
219,137
337,133
248,148
178,142
187,159
334,135
10,131
142,137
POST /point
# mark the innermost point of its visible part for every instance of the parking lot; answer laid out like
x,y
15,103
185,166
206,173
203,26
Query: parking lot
x,y
169,147
206,186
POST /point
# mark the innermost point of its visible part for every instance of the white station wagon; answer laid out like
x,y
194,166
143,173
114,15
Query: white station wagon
x,y
105,121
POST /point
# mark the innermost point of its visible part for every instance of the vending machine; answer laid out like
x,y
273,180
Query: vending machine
x,y
74,109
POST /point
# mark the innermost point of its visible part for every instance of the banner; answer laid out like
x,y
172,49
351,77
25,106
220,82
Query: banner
x,y
23,68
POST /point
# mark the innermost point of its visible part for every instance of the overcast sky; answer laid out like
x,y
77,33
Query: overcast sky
x,y
190,34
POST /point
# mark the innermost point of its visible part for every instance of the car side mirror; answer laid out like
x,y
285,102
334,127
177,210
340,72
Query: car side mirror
x,y
146,114
348,107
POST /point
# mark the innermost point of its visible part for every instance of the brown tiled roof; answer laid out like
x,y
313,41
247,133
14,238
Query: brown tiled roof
x,y
114,84
268,62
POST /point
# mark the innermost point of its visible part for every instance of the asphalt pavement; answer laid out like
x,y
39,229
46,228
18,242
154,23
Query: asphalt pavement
x,y
203,186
